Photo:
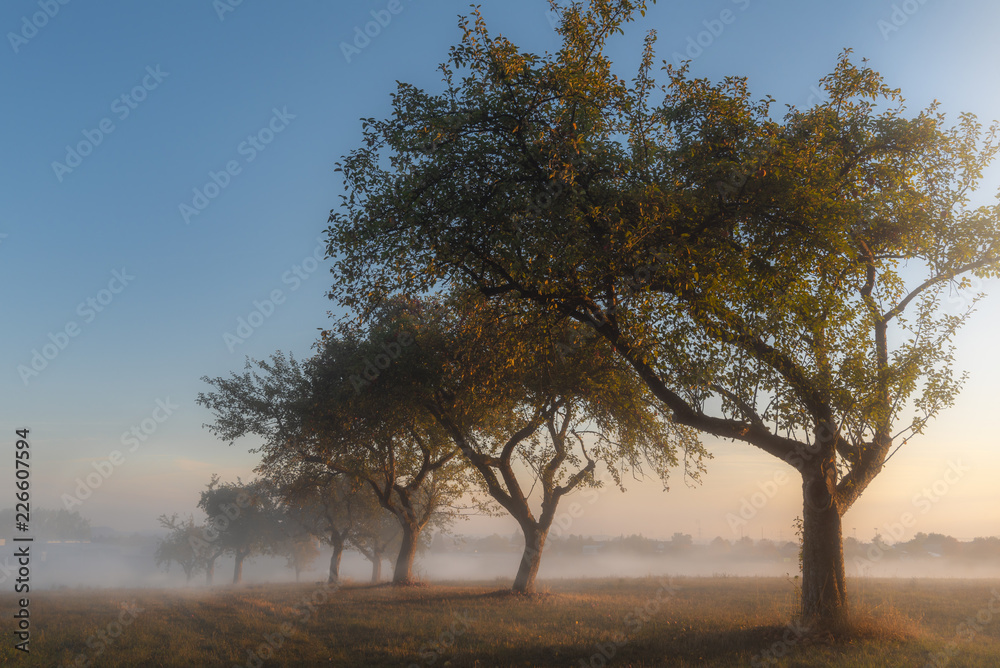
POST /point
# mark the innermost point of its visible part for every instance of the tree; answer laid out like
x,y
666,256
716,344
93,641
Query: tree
x,y
323,503
242,521
772,281
49,524
209,550
376,534
300,549
317,414
520,397
180,546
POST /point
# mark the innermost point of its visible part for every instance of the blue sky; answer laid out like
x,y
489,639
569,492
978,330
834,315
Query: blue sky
x,y
164,95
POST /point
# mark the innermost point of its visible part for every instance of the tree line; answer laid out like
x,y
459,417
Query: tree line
x,y
275,516
440,406
546,269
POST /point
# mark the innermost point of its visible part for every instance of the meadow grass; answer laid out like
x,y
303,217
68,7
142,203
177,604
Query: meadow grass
x,y
720,621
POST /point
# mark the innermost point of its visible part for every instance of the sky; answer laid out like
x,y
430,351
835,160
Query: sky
x,y
167,176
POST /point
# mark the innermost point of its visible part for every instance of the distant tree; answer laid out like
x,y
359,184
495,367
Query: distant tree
x,y
681,541
242,520
300,549
376,534
521,397
49,524
720,545
181,545
775,281
323,503
205,542
985,548
317,414
376,431
744,545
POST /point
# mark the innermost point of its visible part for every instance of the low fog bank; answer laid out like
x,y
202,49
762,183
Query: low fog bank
x,y
99,565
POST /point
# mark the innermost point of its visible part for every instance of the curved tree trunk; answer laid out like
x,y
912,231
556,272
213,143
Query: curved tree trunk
x,y
338,552
403,573
824,594
376,567
531,559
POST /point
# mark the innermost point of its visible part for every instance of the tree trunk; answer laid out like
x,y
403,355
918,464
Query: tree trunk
x,y
210,571
298,571
407,551
238,568
338,552
376,568
824,594
531,559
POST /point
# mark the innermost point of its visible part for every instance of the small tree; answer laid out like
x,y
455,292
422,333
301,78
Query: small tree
x,y
376,535
520,396
180,546
317,416
300,550
317,500
49,524
242,520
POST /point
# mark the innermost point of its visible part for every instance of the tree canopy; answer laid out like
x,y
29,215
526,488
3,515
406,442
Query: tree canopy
x,y
531,403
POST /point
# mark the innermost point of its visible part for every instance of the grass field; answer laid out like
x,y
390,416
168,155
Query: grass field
x,y
722,621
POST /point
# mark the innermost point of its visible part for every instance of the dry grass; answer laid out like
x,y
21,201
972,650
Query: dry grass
x,y
613,622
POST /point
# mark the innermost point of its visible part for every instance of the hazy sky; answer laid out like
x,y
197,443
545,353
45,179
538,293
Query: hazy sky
x,y
168,170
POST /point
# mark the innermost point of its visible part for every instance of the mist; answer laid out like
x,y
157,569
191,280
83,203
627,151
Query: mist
x,y
109,565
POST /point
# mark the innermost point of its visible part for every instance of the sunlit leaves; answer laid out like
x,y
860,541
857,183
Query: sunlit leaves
x,y
764,276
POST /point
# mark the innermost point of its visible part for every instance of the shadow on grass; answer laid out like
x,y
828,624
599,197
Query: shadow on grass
x,y
672,648
680,646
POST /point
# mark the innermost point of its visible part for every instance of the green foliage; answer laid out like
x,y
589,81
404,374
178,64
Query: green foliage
x,y
772,280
